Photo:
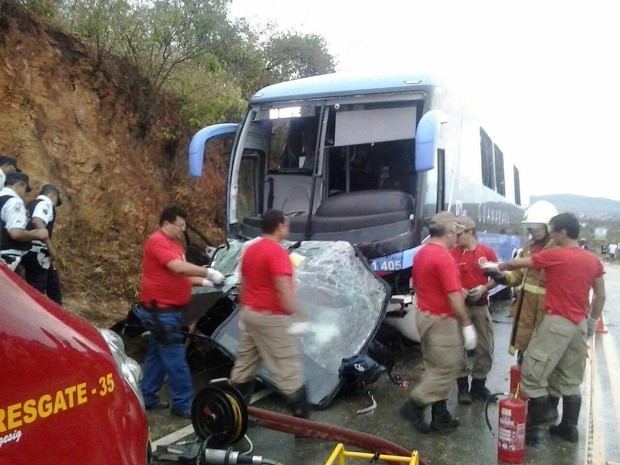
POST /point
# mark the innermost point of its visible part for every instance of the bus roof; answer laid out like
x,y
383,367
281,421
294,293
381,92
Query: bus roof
x,y
342,84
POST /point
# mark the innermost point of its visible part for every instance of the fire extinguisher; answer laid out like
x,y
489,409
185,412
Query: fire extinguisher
x,y
515,376
511,422
511,430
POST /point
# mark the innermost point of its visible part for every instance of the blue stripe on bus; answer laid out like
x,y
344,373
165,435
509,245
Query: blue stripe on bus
x,y
394,262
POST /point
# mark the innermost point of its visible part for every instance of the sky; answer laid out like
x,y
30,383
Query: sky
x,y
542,76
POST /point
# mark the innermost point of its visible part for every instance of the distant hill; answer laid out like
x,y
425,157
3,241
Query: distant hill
x,y
590,207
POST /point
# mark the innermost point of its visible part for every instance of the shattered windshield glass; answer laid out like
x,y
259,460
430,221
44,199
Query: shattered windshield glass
x,y
343,300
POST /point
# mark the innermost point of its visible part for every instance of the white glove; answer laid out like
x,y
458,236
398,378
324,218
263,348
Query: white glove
x,y
207,283
592,324
487,266
299,327
215,276
476,293
469,337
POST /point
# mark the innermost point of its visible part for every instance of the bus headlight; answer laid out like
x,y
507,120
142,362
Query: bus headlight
x,y
127,366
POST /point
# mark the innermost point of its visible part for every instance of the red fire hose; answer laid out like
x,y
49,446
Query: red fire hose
x,y
220,418
315,430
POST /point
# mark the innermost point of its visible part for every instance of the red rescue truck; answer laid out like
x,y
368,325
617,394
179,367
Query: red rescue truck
x,y
68,392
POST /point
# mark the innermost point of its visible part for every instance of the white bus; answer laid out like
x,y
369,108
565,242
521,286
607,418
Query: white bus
x,y
368,160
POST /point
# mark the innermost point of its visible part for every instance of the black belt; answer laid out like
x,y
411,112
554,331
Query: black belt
x,y
154,308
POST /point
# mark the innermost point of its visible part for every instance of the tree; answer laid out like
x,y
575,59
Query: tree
x,y
293,56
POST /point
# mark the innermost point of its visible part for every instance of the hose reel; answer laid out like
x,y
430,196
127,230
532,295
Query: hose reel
x,y
219,414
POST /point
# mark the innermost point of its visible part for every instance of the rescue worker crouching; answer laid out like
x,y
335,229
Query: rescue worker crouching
x,y
440,304
14,236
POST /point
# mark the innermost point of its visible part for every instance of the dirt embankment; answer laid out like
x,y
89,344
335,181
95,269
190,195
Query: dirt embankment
x,y
72,120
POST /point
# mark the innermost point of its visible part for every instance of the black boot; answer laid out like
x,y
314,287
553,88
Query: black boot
x,y
552,412
441,418
536,414
246,390
298,402
416,415
567,429
478,389
463,396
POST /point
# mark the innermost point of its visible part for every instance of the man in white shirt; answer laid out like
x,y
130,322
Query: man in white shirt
x,y
38,261
8,165
14,237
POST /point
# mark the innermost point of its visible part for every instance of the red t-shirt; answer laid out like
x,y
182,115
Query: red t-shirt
x,y
467,262
435,275
158,283
570,273
261,262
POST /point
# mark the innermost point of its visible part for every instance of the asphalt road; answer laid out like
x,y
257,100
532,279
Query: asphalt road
x,y
472,442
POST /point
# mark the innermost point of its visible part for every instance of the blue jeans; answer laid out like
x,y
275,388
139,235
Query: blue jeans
x,y
166,359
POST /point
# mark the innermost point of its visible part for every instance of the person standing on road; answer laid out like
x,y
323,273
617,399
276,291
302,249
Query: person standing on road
x,y
529,306
14,236
8,165
477,286
165,290
38,261
440,303
267,296
558,348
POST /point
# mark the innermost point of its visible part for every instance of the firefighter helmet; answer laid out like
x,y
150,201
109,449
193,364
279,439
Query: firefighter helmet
x,y
539,212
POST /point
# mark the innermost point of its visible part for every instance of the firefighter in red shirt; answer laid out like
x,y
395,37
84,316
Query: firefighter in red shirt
x,y
476,287
267,293
558,348
440,304
165,290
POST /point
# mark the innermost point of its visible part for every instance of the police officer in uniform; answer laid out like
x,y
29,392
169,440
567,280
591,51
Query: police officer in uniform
x,y
14,237
8,165
38,261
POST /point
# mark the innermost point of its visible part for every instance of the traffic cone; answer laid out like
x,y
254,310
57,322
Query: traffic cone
x,y
600,327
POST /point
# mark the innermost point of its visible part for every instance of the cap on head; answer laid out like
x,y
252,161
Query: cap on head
x,y
4,160
446,220
13,178
538,213
466,222
50,188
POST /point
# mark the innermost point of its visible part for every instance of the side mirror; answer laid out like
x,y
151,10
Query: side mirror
x,y
428,139
200,139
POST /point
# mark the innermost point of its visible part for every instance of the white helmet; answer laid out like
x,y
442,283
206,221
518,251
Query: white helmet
x,y
539,212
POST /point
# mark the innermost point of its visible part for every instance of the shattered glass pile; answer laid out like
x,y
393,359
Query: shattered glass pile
x,y
340,297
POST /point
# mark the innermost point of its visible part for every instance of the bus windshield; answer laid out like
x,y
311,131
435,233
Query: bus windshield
x,y
290,136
